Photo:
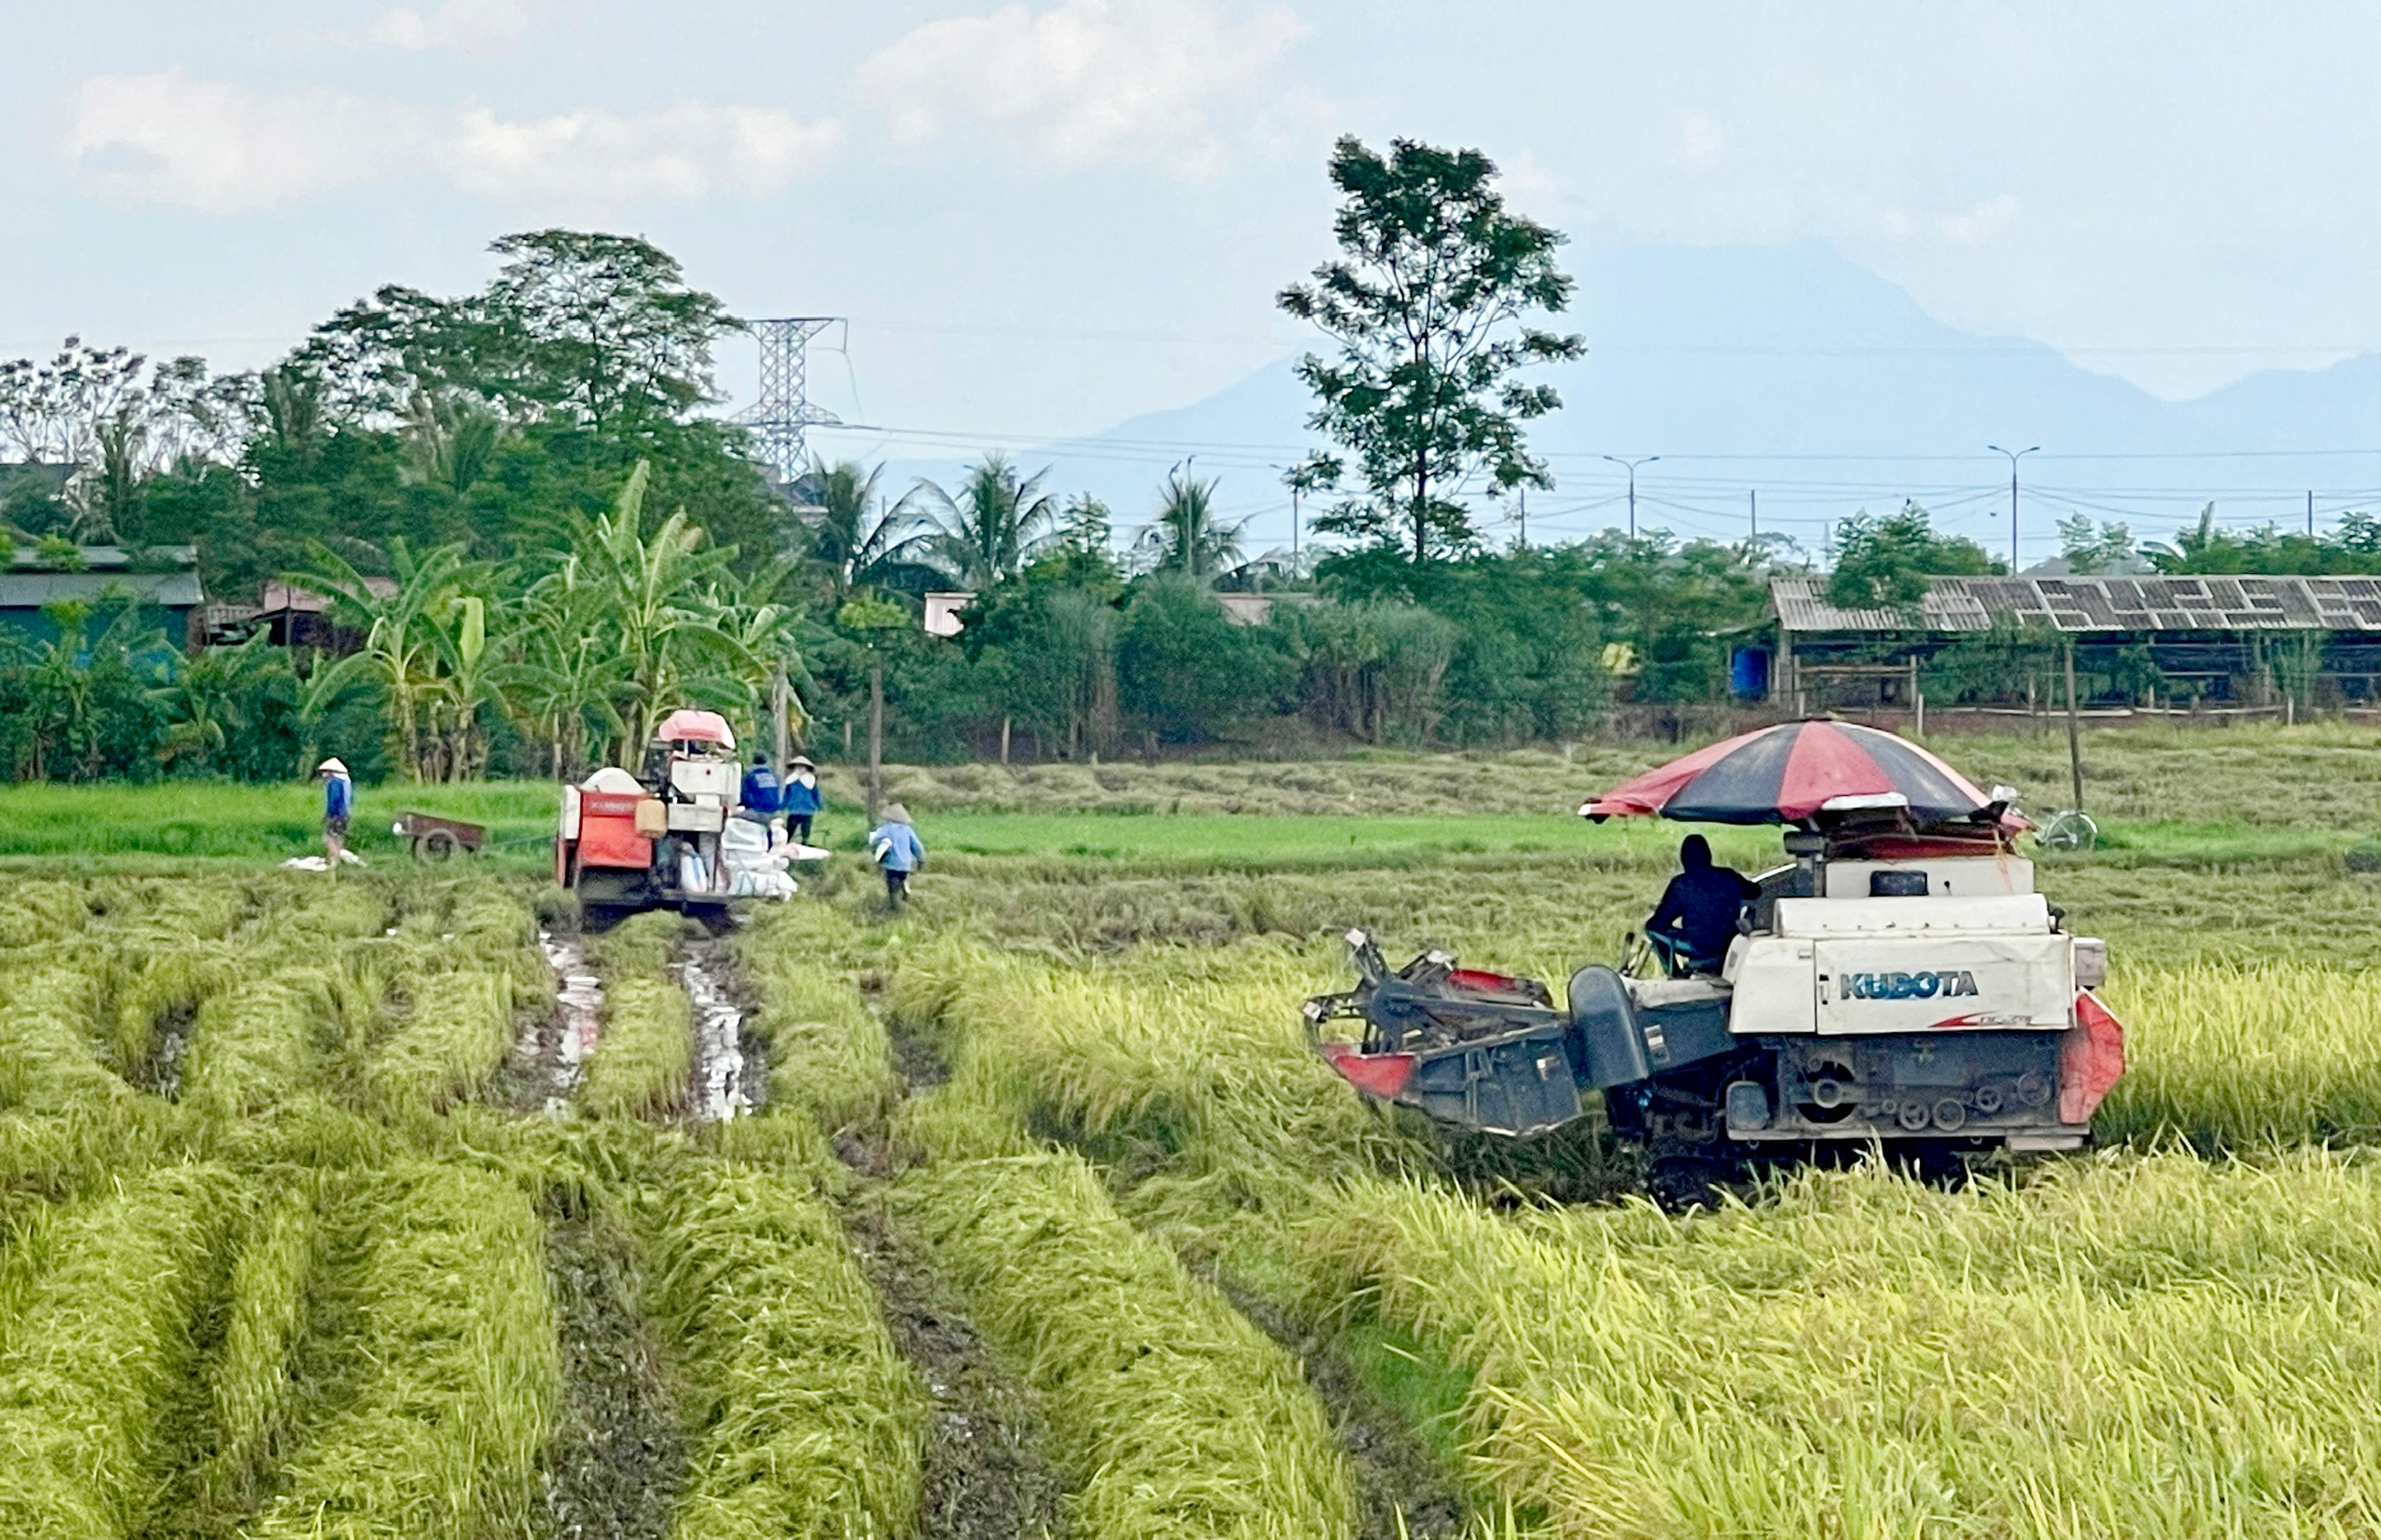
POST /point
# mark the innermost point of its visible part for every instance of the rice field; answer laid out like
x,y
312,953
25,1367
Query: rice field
x,y
316,1219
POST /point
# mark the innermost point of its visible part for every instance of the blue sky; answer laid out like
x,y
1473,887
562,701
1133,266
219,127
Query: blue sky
x,y
1047,216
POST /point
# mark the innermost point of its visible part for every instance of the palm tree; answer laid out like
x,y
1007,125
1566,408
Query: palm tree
x,y
994,527
856,541
449,440
1185,537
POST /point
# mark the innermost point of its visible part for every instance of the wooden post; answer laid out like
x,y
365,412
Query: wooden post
x,y
1004,730
780,710
875,739
2074,739
1917,696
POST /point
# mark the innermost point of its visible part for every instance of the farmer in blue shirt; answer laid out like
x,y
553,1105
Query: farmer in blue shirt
x,y
339,800
897,851
801,801
759,796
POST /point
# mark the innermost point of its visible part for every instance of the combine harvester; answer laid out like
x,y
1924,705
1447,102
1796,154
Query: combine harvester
x,y
1897,984
669,838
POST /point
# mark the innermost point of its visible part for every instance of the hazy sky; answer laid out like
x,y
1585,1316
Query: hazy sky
x,y
1045,216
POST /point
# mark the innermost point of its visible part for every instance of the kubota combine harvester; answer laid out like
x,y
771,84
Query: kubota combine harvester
x,y
1898,983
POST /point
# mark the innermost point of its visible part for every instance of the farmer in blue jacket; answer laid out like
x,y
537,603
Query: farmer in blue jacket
x,y
799,800
897,851
339,802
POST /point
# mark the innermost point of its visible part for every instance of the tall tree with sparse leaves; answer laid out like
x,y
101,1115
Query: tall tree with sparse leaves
x,y
1429,304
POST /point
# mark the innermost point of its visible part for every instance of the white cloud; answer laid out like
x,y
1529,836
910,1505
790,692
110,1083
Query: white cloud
x,y
1985,219
1700,140
224,148
689,151
1084,83
458,26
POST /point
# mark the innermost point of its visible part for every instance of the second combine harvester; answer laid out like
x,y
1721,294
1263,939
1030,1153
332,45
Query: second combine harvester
x,y
1898,983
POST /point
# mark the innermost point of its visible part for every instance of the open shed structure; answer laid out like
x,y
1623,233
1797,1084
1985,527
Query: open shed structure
x,y
162,577
2136,640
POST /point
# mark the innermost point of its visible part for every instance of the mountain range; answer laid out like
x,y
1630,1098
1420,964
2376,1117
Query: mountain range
x,y
1791,375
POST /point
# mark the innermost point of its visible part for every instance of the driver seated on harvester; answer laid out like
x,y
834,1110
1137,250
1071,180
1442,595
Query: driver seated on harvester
x,y
1696,919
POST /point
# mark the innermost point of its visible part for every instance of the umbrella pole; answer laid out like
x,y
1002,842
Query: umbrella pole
x,y
2074,743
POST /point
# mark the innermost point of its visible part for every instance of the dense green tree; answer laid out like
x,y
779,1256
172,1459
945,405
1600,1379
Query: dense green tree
x,y
2207,546
1428,302
2089,548
1884,560
1083,554
1185,672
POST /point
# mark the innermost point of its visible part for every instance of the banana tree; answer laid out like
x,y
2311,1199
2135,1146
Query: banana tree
x,y
405,641
653,592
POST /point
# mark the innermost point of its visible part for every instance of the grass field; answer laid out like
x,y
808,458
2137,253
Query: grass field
x,y
304,1232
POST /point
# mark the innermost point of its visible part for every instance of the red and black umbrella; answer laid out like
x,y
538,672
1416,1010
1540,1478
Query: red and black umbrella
x,y
1793,772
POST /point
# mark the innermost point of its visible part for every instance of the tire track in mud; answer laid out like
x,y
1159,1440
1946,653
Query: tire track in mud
x,y
1402,1492
985,1475
618,1454
988,1473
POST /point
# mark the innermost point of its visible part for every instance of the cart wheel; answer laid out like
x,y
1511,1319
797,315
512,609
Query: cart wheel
x,y
2069,830
436,845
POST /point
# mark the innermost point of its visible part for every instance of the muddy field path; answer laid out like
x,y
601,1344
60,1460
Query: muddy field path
x,y
985,1475
988,1474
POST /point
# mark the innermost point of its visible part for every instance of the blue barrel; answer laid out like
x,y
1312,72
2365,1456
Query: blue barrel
x,y
1749,673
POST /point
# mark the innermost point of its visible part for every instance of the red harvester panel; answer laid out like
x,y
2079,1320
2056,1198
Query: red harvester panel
x,y
607,835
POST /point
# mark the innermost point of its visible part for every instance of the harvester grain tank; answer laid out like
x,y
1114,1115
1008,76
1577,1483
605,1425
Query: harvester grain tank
x,y
653,839
1898,983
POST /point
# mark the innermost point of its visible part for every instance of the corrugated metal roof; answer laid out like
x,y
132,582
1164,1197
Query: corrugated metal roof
x,y
2200,604
27,591
96,558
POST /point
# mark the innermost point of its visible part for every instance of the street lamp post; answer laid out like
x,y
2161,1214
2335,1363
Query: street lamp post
x,y
2015,455
1632,465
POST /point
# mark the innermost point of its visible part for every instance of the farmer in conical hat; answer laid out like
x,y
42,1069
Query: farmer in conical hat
x,y
897,851
801,800
339,800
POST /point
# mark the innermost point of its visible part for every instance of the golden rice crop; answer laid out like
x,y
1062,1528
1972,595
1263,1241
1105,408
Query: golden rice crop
x,y
2246,1055
806,1422
247,1377
453,1359
258,1044
1172,1413
33,911
2128,1346
101,1342
827,1056
457,1032
48,1061
642,1064
643,1060
150,977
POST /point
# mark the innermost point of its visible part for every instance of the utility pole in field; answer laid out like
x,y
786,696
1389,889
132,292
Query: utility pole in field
x,y
1752,505
1632,465
1300,479
2015,455
2310,514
